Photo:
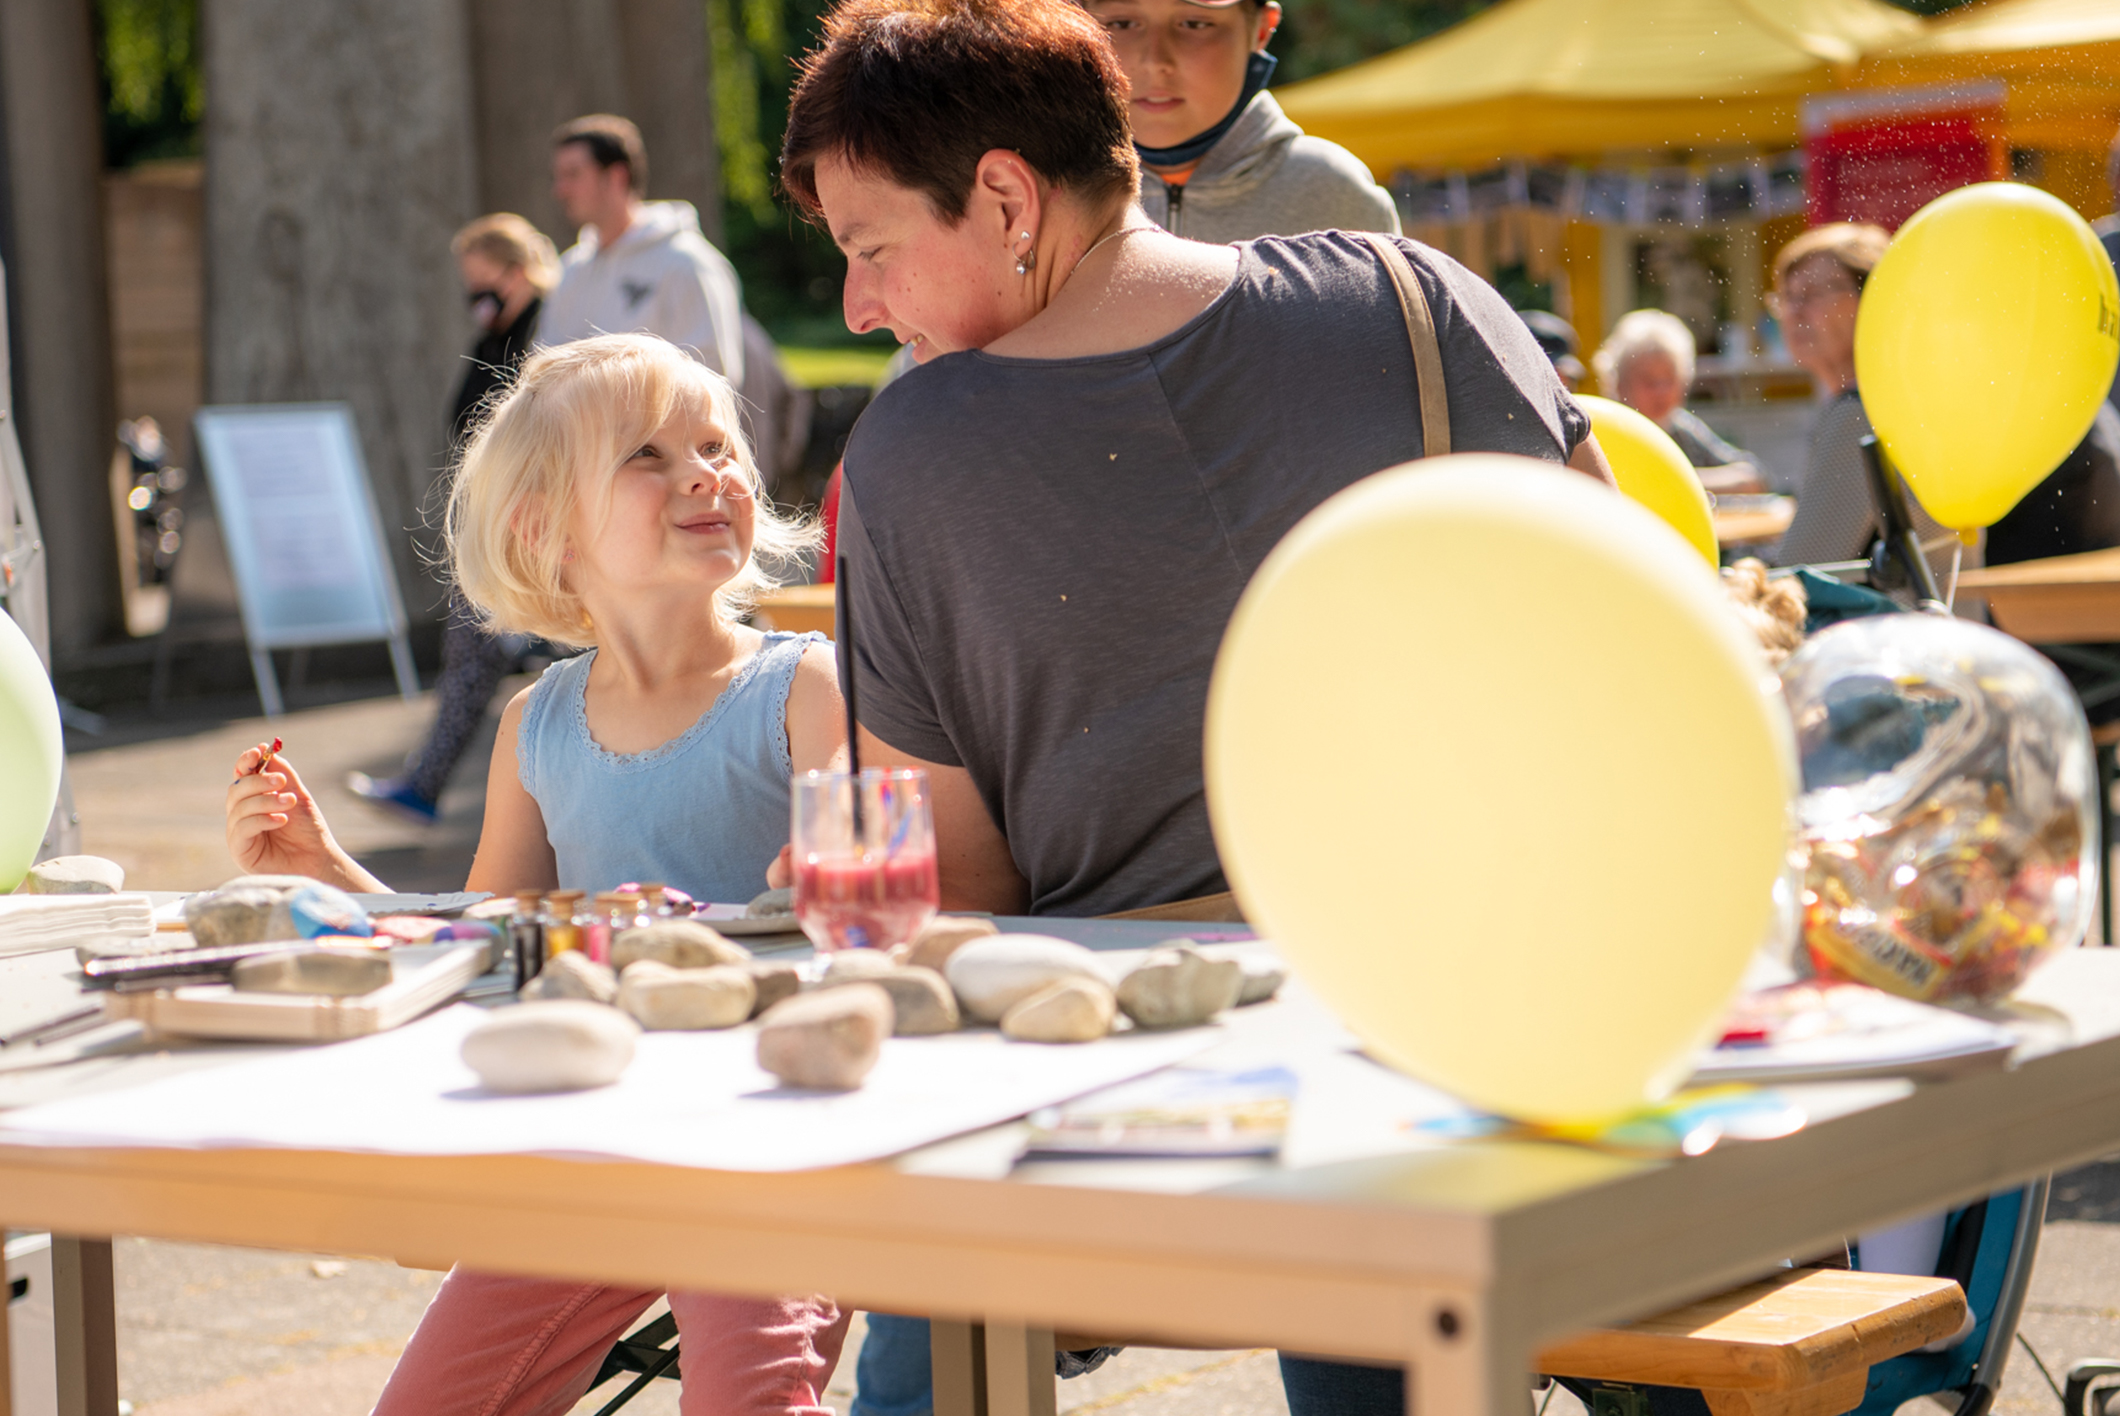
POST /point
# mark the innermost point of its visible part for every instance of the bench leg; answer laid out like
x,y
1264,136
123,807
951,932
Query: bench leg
x,y
957,1355
1832,1398
85,1326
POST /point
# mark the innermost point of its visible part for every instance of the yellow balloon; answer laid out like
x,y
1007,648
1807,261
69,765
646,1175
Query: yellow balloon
x,y
31,753
1652,469
1986,340
1522,828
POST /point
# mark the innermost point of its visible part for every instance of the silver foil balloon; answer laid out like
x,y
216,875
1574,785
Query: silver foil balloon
x,y
1948,817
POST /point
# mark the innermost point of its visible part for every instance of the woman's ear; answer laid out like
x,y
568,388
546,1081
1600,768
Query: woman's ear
x,y
1009,195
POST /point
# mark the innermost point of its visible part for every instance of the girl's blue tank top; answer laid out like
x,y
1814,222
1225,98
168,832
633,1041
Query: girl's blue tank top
x,y
706,812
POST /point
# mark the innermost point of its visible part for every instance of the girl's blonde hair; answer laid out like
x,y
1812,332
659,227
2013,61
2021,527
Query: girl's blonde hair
x,y
507,240
549,449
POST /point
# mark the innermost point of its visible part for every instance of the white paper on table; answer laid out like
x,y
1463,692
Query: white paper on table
x,y
690,1098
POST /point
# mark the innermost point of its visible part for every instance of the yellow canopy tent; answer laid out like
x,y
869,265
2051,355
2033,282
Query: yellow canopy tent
x,y
2061,59
1552,78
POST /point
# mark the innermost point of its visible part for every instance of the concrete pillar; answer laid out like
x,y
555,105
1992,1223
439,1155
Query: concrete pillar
x,y
535,64
670,87
538,63
53,160
339,161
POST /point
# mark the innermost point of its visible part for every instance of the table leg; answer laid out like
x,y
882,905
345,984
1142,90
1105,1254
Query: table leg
x,y
85,1326
1462,1366
7,1371
1019,1371
957,1356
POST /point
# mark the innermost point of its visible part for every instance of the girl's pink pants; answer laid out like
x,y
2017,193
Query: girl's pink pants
x,y
490,1345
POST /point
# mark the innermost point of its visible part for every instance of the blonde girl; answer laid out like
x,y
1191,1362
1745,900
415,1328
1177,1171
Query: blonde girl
x,y
610,502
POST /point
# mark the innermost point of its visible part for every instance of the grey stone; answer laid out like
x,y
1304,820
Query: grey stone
x,y
920,999
992,975
74,875
680,943
1072,1010
826,1040
555,1045
334,973
1262,980
772,904
1180,988
857,963
572,974
775,980
945,935
663,999
250,909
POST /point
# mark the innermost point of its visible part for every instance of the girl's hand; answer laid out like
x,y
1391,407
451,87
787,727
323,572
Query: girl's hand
x,y
276,828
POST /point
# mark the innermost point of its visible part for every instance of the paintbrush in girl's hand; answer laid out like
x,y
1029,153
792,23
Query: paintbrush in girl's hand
x,y
265,762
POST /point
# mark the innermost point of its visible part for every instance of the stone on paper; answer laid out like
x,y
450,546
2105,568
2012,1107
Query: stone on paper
x,y
1072,1010
920,999
1262,980
775,979
74,875
663,999
1180,988
572,974
826,1040
945,935
555,1045
680,943
992,975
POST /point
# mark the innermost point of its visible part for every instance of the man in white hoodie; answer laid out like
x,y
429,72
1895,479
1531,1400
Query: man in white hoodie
x,y
637,266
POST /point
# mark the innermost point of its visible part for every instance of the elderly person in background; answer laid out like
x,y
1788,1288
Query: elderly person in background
x,y
1818,280
1647,364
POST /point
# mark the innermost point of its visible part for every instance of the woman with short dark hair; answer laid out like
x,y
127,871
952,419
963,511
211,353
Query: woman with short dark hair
x,y
1048,522
1109,429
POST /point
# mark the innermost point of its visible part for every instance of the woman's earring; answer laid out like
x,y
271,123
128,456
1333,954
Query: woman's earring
x,y
1028,261
566,556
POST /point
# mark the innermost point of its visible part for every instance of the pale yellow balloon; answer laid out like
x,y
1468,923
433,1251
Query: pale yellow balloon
x,y
1519,819
31,753
1986,339
1653,470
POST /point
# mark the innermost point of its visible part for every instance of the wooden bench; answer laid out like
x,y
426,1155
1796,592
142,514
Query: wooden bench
x,y
1800,1343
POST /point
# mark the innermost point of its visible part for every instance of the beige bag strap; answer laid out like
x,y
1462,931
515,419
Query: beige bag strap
x,y
1209,909
1427,352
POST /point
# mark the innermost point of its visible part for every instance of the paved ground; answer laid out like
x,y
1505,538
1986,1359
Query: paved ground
x,y
232,1332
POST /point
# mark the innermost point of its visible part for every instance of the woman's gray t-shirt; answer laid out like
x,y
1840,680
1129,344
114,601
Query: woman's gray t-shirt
x,y
1043,553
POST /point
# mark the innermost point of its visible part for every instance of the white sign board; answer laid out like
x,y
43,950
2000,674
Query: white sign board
x,y
304,540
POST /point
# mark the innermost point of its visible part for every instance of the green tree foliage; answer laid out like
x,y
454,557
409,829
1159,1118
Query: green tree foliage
x,y
152,95
153,102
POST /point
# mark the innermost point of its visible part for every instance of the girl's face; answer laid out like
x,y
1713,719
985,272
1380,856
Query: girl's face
x,y
1184,61
938,287
679,515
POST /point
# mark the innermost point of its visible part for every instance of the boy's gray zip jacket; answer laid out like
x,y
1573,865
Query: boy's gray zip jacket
x,y
1267,177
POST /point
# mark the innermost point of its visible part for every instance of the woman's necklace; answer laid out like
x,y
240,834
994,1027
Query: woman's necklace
x,y
1110,236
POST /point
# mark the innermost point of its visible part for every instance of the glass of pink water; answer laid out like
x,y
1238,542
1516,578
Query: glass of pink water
x,y
864,879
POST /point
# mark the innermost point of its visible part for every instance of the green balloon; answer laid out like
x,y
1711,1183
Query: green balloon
x,y
31,752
